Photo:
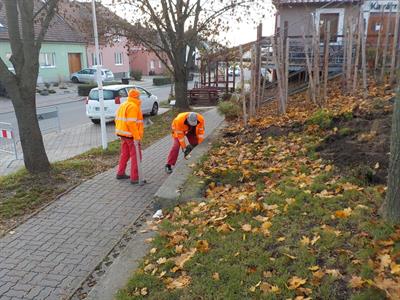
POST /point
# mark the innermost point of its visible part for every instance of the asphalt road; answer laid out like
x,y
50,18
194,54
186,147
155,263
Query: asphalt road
x,y
72,114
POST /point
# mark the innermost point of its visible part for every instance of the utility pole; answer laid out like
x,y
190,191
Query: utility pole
x,y
99,80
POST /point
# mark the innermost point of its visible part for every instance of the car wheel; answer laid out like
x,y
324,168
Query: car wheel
x,y
154,110
74,79
95,121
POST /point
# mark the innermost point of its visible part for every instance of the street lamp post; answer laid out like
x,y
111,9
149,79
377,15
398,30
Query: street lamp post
x,y
99,80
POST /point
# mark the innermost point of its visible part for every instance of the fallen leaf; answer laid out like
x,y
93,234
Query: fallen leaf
x,y
313,268
144,291
178,283
215,276
179,249
246,227
334,272
345,213
183,258
264,228
315,239
394,268
153,250
305,241
225,228
385,261
202,246
356,282
281,239
296,282
290,256
161,260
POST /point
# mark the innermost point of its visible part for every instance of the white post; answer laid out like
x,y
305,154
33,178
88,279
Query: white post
x,y
99,79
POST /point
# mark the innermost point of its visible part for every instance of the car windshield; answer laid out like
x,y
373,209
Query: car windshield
x,y
108,95
108,72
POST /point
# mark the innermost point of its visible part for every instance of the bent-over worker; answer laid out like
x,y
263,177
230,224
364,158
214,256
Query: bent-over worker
x,y
129,128
191,125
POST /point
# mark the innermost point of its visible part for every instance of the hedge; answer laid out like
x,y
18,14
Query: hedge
x,y
84,89
161,80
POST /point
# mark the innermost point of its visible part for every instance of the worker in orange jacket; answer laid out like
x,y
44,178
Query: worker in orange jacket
x,y
129,128
189,125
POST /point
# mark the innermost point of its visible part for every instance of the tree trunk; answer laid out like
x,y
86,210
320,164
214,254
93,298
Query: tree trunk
x,y
35,157
391,206
181,88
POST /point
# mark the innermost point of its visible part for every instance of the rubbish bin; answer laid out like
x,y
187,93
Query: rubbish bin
x,y
125,80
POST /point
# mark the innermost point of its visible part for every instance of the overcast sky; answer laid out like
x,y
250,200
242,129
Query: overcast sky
x,y
239,33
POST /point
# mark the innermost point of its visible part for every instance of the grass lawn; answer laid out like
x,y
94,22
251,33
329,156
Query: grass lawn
x,y
279,222
22,193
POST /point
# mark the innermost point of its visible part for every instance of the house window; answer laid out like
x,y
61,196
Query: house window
x,y
377,27
47,60
1,25
333,18
159,64
118,58
152,64
94,59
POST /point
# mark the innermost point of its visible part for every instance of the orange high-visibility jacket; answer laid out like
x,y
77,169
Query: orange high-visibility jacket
x,y
129,117
180,129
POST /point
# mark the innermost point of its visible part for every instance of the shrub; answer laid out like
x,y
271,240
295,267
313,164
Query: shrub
x,y
161,80
322,118
136,74
229,109
84,89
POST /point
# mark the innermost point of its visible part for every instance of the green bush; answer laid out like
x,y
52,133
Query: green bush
x,y
322,118
136,74
84,89
161,80
229,109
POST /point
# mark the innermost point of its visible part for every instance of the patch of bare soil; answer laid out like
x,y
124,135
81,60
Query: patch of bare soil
x,y
361,145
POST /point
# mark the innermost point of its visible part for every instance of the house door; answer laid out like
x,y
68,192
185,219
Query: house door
x,y
74,61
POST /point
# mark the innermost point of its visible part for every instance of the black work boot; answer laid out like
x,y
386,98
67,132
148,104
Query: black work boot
x,y
168,169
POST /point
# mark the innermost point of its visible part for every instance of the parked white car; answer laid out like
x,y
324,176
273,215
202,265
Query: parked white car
x,y
114,95
90,75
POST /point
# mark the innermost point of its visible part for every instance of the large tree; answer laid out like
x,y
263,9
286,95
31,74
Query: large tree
x,y
27,24
391,206
172,29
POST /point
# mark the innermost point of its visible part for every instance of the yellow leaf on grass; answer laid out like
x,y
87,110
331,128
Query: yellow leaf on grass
x,y
356,282
281,239
296,282
290,256
315,239
394,268
265,228
385,260
178,283
305,241
261,219
215,276
183,258
265,287
144,291
161,260
334,272
225,228
345,213
179,249
313,268
153,250
202,246
246,227
290,201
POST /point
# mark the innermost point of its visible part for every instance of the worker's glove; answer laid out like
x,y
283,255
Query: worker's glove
x,y
187,150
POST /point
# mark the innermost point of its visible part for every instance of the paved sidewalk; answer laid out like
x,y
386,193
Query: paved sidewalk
x,y
49,255
64,144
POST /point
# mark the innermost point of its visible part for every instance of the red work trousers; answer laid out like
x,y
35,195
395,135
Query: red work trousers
x,y
128,151
174,152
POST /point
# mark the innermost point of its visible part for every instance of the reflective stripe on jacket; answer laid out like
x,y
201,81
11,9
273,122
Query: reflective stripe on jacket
x,y
129,118
180,129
